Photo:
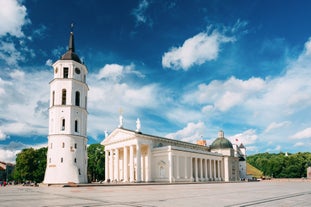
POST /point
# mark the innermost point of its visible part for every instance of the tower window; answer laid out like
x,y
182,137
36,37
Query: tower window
x,y
61,160
53,97
75,160
51,145
76,125
63,124
65,72
64,97
77,98
49,160
79,171
63,145
75,145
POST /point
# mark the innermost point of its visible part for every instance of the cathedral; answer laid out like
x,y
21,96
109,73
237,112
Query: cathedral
x,y
130,155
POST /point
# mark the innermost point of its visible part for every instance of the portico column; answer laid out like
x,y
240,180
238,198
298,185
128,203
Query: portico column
x,y
149,164
125,173
186,167
177,166
191,169
131,164
111,174
196,169
206,168
201,169
170,161
117,169
210,169
214,169
138,162
106,165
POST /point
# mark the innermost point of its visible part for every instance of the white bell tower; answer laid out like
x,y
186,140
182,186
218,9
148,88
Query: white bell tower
x,y
67,139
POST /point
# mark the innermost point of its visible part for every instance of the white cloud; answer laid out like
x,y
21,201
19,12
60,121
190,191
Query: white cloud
x,y
196,50
247,137
22,96
9,53
191,133
8,155
13,17
2,135
304,134
275,125
140,13
116,71
49,62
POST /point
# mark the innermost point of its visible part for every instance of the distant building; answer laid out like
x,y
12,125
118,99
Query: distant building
x,y
67,140
131,156
6,170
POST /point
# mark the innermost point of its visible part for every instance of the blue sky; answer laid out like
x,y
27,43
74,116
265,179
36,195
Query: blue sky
x,y
186,69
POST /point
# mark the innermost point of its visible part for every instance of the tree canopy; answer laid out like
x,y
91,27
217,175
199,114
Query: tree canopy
x,y
96,162
30,165
282,165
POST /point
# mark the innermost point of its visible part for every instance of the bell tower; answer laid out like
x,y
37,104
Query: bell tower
x,y
67,139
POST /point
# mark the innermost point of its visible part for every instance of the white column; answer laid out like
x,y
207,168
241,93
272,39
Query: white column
x,y
206,177
196,169
170,161
214,169
186,167
201,169
138,162
117,169
210,169
106,165
149,164
112,165
191,169
131,164
177,166
125,165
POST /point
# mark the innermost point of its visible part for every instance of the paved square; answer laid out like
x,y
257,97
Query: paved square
x,y
274,193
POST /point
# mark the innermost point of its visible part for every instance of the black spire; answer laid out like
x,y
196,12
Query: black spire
x,y
70,54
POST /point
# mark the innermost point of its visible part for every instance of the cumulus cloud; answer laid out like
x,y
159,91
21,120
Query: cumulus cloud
x,y
21,94
191,133
196,50
223,95
13,17
247,137
304,134
116,72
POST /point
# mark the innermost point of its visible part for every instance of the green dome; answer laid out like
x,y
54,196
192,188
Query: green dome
x,y
221,142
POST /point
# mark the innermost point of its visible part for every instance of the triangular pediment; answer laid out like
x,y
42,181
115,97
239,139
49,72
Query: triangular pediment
x,y
118,135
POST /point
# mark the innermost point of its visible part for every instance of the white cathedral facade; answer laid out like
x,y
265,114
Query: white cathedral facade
x,y
130,156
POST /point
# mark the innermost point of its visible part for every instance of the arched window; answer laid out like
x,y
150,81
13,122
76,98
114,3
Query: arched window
x,y
61,159
77,98
63,125
76,125
63,145
75,159
64,97
53,98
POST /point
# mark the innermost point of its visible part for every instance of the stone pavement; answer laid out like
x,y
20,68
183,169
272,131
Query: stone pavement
x,y
273,193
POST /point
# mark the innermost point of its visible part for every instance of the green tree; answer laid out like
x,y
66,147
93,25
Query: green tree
x,y
96,162
30,165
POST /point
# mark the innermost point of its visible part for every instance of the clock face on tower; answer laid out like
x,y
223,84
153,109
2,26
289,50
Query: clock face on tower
x,y
56,70
77,70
